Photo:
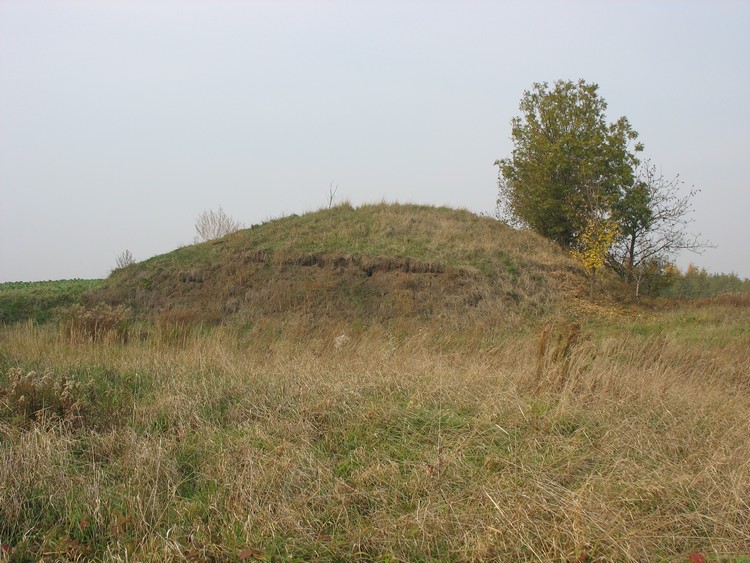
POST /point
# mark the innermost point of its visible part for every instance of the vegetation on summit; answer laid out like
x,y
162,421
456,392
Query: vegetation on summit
x,y
212,224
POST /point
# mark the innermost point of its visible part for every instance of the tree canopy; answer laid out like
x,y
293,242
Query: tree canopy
x,y
569,167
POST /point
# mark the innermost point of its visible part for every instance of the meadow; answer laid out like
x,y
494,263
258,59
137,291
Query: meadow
x,y
37,300
622,438
385,383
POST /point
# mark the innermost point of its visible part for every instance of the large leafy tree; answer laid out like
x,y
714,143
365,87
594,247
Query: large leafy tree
x,y
569,167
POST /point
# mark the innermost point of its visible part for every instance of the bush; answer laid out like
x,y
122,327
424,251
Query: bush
x,y
212,224
124,260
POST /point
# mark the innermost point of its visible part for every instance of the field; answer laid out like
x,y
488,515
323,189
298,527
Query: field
x,y
38,300
386,383
626,440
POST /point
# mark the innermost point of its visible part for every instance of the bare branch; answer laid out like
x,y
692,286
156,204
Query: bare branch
x,y
331,196
654,219
124,260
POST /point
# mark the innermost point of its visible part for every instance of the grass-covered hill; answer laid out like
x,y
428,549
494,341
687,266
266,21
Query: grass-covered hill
x,y
374,262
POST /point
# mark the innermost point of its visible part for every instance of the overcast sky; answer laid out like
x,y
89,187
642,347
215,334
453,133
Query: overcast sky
x,y
121,121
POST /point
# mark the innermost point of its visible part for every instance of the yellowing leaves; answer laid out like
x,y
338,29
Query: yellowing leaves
x,y
595,242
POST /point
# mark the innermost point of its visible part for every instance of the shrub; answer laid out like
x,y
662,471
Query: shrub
x,y
125,259
212,224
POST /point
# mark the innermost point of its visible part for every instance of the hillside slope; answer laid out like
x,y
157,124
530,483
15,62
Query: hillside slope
x,y
372,263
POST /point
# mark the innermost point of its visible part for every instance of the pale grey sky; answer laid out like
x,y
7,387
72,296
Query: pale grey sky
x,y
121,121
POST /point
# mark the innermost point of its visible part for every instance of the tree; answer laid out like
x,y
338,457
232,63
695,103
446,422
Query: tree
x,y
211,225
596,240
569,167
653,216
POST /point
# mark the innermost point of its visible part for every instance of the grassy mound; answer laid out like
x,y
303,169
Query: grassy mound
x,y
375,262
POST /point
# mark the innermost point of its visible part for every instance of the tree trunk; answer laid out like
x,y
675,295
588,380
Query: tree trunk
x,y
630,260
638,288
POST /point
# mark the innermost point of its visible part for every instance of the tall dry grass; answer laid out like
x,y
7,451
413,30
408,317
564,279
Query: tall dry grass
x,y
408,441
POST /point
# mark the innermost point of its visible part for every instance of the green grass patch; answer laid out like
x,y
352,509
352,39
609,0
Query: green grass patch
x,y
37,301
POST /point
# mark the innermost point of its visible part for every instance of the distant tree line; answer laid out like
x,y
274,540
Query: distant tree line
x,y
695,283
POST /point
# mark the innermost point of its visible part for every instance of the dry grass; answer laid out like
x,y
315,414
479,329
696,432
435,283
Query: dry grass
x,y
406,441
